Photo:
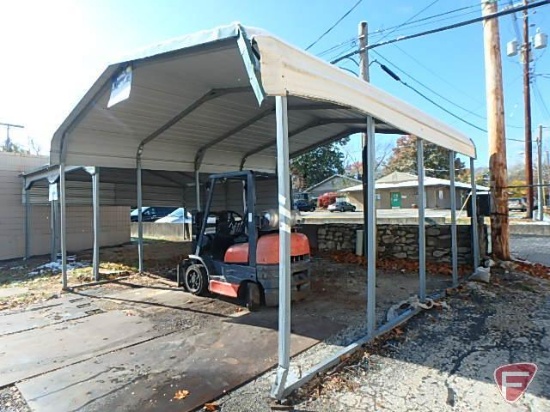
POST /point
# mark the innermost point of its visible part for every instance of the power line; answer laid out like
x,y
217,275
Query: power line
x,y
538,95
430,89
434,73
394,76
432,19
473,113
350,42
346,14
515,21
445,28
409,19
427,20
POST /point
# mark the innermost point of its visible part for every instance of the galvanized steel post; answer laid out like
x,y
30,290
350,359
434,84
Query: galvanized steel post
x,y
53,227
198,189
473,221
97,225
63,198
140,215
283,171
370,226
27,220
454,244
421,222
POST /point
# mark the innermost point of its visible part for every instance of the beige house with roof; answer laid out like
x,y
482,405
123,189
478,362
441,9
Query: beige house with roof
x,y
399,190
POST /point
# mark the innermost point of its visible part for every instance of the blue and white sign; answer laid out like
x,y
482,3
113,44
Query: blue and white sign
x,y
120,88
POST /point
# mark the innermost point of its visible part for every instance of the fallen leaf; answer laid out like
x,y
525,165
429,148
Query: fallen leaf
x,y
211,407
181,394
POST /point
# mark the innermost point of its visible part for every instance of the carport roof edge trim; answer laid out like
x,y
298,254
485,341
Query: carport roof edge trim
x,y
288,70
282,70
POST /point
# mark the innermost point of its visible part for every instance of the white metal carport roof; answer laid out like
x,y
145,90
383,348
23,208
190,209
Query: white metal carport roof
x,y
235,98
202,102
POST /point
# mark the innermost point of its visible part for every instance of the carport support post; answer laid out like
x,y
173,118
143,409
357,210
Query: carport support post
x,y
53,226
140,215
454,245
97,226
63,198
370,224
198,189
421,220
283,171
27,220
475,233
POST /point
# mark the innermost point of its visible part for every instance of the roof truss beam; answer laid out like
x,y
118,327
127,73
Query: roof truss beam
x,y
302,107
310,125
210,95
331,139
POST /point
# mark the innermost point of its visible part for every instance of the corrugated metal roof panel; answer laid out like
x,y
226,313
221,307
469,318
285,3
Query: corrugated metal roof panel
x,y
187,95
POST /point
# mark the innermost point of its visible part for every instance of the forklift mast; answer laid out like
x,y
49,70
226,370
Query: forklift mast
x,y
248,178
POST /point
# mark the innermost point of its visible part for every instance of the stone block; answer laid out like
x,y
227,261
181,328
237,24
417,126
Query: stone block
x,y
433,231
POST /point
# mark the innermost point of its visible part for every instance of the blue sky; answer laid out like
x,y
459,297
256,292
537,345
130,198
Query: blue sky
x,y
53,51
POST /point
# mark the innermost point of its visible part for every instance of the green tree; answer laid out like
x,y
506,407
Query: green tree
x,y
436,159
318,164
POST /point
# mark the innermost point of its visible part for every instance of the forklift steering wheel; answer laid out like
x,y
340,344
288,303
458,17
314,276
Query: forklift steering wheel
x,y
233,222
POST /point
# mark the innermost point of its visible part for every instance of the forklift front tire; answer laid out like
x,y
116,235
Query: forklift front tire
x,y
196,279
252,296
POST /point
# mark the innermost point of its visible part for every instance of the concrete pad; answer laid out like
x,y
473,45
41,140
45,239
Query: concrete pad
x,y
48,314
207,362
27,354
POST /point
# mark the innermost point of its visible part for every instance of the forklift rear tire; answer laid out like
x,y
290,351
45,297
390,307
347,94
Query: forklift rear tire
x,y
196,280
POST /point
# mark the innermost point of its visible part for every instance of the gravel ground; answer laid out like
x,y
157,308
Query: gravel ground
x,y
12,401
443,360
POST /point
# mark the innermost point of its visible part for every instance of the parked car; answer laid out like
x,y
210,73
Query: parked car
x,y
517,203
151,214
341,207
176,217
304,206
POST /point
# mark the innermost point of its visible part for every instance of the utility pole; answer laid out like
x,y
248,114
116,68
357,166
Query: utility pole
x,y
497,134
527,107
363,65
540,191
8,126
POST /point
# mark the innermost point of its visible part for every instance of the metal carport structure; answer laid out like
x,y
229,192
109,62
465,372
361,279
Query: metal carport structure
x,y
234,98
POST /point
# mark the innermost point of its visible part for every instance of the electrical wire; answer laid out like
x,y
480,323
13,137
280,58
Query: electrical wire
x,y
432,19
434,73
430,89
445,28
471,112
394,76
346,43
538,95
346,14
409,19
515,21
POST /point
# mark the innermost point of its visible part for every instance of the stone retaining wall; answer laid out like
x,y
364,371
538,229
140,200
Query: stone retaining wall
x,y
401,241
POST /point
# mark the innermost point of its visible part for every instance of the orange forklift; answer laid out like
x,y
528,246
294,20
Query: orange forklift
x,y
237,254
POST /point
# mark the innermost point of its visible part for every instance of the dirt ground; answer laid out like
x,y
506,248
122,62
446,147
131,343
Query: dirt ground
x,y
338,296
22,282
338,293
